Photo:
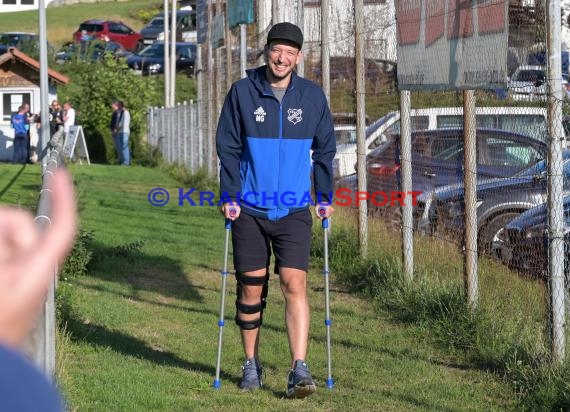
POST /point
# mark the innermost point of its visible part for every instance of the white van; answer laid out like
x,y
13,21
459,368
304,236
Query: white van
x,y
530,121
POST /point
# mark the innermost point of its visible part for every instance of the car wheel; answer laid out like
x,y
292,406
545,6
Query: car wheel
x,y
490,234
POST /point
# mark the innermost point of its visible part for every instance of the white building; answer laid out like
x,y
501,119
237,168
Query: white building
x,y
19,84
19,5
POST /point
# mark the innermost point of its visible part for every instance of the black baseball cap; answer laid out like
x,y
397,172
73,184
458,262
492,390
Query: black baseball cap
x,y
286,31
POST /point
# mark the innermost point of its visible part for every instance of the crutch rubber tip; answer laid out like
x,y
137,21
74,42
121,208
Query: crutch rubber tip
x,y
221,323
330,383
217,384
328,322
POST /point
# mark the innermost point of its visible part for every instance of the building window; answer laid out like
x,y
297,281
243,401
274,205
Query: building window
x,y
28,2
12,101
9,2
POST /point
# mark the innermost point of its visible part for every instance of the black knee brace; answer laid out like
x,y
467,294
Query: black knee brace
x,y
251,309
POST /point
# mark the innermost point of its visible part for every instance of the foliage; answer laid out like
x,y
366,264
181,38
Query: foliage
x,y
74,266
145,14
506,343
92,89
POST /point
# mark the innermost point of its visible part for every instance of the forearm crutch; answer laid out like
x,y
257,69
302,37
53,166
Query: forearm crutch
x,y
325,223
228,224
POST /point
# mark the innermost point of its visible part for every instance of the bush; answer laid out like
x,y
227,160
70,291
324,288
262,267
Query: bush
x,y
146,14
92,89
74,266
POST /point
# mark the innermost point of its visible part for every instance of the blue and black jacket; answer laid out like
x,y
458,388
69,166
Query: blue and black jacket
x,y
264,146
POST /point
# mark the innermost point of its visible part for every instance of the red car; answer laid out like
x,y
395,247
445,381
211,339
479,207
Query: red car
x,y
108,30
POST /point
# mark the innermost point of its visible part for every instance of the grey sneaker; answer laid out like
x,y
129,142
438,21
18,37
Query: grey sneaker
x,y
300,383
251,379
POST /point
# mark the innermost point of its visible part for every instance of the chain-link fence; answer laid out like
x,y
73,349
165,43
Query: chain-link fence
x,y
518,240
176,133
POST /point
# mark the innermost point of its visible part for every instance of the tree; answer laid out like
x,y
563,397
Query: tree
x,y
93,87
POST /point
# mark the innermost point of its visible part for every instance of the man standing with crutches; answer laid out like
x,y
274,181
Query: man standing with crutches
x,y
269,123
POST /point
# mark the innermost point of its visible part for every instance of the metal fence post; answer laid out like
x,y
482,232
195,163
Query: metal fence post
x,y
406,165
325,49
470,184
361,123
555,183
211,103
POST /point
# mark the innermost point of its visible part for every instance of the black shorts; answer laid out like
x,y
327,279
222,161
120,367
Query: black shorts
x,y
253,239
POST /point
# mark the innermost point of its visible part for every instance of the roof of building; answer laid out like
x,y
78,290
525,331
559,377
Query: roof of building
x,y
14,53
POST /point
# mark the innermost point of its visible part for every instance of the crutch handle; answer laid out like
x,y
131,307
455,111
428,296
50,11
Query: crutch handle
x,y
228,222
322,211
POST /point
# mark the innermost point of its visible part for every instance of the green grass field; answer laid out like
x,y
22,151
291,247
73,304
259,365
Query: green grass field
x,y
142,331
20,185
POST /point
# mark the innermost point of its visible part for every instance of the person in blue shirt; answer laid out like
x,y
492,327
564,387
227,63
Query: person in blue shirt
x,y
27,259
20,125
269,124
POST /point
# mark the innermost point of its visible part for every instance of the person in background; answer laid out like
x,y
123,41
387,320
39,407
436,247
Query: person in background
x,y
27,260
68,117
20,126
32,133
55,125
120,130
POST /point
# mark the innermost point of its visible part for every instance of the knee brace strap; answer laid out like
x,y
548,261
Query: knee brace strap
x,y
249,324
250,309
251,280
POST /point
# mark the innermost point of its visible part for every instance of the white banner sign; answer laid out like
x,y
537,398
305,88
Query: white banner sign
x,y
452,44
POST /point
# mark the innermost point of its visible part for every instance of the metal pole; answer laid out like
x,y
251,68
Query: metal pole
x,y
211,105
325,49
360,124
275,18
229,52
199,101
470,184
173,56
166,57
555,183
300,23
221,320
263,20
406,165
45,329
242,49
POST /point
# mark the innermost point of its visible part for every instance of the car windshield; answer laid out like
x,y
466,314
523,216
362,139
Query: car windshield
x,y
90,27
15,39
533,75
345,135
155,50
157,22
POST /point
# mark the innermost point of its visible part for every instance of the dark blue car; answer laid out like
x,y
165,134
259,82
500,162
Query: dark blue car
x,y
437,158
150,60
524,244
499,201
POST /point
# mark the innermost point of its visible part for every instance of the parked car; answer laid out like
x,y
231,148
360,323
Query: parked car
x,y
109,30
498,202
437,157
524,241
26,42
185,27
90,51
530,121
150,60
528,84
